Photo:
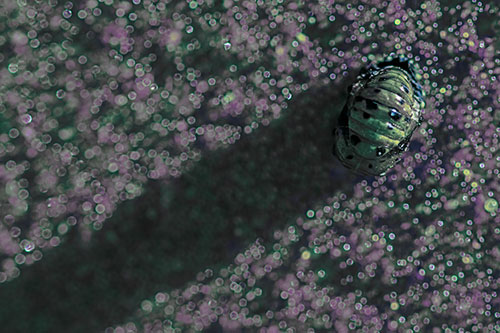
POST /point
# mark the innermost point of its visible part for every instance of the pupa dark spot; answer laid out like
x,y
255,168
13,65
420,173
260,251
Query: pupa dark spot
x,y
355,139
394,114
380,151
349,157
371,105
366,115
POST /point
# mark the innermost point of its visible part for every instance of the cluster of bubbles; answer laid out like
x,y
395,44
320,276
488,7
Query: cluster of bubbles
x,y
98,97
415,250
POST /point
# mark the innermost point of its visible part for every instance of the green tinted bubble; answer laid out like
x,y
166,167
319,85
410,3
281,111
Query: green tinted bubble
x,y
490,205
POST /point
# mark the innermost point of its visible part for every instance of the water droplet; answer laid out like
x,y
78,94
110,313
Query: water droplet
x,y
490,205
67,13
26,119
30,246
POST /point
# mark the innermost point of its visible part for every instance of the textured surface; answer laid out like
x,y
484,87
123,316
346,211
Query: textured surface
x,y
145,146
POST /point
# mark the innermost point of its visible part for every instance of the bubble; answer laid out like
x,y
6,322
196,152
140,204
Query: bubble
x,y
30,246
67,13
491,205
306,255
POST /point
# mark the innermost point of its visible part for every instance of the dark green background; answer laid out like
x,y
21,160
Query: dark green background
x,y
160,240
